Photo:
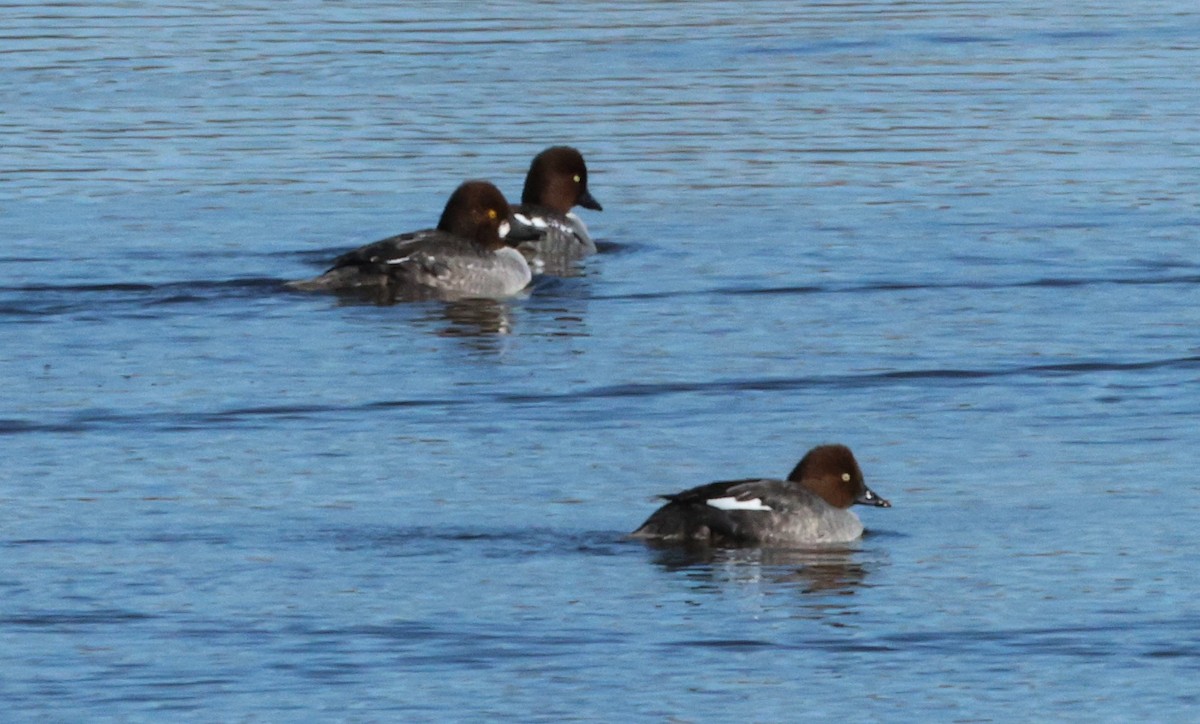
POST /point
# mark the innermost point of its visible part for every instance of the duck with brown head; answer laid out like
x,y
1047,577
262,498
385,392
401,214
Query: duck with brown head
x,y
469,254
556,183
810,507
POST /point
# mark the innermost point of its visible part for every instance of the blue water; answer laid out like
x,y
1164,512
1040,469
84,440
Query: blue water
x,y
958,237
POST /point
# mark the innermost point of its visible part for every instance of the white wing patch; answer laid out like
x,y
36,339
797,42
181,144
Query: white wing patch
x,y
732,503
537,222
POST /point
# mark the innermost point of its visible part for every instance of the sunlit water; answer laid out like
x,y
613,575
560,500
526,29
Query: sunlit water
x,y
959,237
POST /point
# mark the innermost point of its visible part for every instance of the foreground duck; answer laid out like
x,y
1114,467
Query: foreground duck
x,y
556,183
469,254
810,507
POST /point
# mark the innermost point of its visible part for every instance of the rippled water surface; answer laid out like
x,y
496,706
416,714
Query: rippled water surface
x,y
960,237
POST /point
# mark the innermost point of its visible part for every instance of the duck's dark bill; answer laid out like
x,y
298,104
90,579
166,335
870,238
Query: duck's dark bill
x,y
587,201
870,498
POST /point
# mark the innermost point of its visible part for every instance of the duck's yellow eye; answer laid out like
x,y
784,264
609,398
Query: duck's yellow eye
x,y
491,213
577,178
846,477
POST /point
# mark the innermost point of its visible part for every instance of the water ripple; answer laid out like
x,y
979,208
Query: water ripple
x,y
262,415
72,619
47,300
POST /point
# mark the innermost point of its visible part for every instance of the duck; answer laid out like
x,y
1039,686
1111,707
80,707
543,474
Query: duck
x,y
556,183
470,254
810,507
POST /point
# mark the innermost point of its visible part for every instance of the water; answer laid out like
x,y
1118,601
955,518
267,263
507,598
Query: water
x,y
958,237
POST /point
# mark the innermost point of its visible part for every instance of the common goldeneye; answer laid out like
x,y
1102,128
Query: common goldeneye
x,y
557,182
811,506
469,254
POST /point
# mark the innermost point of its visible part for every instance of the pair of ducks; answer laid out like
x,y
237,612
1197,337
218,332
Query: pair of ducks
x,y
482,247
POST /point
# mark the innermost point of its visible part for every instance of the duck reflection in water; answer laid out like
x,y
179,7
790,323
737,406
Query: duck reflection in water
x,y
472,317
813,571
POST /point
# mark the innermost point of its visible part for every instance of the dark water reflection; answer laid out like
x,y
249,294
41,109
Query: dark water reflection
x,y
475,317
810,571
